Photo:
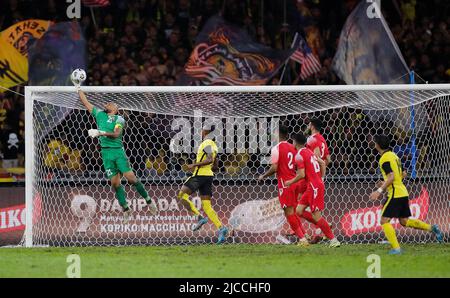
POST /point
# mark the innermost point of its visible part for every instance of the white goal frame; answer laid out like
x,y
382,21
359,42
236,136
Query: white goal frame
x,y
29,129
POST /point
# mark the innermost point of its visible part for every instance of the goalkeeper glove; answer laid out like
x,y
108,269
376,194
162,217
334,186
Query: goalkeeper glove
x,y
93,133
77,84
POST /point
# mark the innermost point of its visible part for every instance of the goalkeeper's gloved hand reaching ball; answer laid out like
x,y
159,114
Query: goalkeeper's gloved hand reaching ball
x,y
77,84
77,77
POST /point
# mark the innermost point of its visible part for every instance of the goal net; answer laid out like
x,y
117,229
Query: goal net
x,y
69,201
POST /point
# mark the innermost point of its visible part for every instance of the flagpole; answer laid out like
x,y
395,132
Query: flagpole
x,y
286,63
93,17
262,13
222,10
284,23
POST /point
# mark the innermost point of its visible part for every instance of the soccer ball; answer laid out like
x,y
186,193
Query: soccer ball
x,y
78,76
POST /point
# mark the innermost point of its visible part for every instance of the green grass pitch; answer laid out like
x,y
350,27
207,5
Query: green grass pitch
x,y
419,260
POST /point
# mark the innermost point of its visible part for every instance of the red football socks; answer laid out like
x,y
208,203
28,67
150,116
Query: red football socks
x,y
300,223
325,227
296,225
308,216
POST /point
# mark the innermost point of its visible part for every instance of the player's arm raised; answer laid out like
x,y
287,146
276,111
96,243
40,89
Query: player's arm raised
x,y
84,100
82,96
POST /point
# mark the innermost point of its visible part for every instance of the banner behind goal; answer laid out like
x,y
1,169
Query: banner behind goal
x,y
69,201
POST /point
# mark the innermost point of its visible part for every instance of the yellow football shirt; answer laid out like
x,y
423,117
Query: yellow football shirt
x,y
390,163
208,146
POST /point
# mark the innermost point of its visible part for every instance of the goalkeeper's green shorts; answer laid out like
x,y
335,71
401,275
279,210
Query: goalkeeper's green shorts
x,y
115,161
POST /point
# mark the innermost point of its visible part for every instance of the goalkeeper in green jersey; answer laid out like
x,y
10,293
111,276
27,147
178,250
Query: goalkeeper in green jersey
x,y
110,127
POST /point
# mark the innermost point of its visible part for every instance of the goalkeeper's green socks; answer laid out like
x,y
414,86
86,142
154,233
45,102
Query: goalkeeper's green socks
x,y
121,197
141,190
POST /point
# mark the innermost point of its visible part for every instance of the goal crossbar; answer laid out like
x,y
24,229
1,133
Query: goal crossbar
x,y
238,89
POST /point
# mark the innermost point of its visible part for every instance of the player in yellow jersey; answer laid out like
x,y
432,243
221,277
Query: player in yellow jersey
x,y
201,181
397,203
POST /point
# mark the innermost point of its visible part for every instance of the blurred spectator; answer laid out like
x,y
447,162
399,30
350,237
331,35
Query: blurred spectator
x,y
236,163
157,165
61,157
11,146
408,8
5,107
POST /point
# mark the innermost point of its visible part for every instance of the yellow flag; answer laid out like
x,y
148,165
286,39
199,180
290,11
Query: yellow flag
x,y
14,50
18,34
13,66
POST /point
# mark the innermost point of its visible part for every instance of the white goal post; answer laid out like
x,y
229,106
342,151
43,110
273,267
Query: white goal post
x,y
70,203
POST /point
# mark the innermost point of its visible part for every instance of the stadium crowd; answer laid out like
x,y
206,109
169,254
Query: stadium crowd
x,y
147,42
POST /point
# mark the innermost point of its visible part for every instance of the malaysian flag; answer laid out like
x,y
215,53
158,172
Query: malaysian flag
x,y
303,55
96,3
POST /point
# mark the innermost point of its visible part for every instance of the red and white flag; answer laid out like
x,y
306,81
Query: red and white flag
x,y
310,64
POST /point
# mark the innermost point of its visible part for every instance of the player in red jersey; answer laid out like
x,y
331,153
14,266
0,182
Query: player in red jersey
x,y
311,169
283,165
317,144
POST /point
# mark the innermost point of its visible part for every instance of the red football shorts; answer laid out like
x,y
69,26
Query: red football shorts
x,y
300,187
314,197
287,196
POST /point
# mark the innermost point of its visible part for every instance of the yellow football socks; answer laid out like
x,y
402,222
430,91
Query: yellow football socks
x,y
418,224
212,215
185,197
389,231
